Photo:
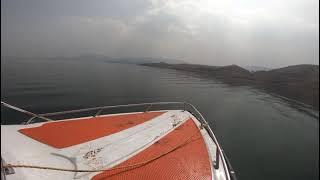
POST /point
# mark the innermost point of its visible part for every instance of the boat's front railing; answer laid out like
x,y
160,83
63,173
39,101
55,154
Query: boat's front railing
x,y
141,107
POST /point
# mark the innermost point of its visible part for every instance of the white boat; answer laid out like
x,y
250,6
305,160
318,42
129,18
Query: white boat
x,y
165,140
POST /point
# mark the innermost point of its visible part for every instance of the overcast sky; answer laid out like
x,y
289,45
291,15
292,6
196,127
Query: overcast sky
x,y
268,33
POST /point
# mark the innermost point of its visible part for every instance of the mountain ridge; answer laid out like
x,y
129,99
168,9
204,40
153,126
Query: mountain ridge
x,y
297,82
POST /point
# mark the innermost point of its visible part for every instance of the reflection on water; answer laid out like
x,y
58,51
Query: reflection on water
x,y
265,136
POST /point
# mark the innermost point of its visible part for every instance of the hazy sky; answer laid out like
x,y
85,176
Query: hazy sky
x,y
268,33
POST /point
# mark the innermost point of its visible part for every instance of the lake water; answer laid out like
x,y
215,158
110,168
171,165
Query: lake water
x,y
264,136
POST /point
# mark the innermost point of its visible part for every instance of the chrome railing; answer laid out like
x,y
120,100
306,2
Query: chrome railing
x,y
25,111
145,107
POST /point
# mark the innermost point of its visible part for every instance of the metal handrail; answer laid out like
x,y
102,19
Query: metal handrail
x,y
109,107
193,110
211,134
25,111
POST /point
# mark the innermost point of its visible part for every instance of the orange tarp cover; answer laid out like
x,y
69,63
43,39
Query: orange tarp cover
x,y
63,134
188,162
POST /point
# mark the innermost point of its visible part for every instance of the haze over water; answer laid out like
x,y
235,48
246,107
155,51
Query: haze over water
x,y
264,136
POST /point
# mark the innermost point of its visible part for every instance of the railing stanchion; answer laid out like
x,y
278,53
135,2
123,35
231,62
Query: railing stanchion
x,y
98,113
148,107
216,161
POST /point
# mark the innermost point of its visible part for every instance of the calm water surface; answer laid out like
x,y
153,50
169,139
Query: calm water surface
x,y
265,137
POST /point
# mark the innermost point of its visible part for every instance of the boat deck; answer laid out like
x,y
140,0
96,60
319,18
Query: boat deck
x,y
169,144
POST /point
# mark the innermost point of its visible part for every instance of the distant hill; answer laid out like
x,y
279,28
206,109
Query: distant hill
x,y
217,70
102,58
232,74
298,82
147,60
295,72
256,68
